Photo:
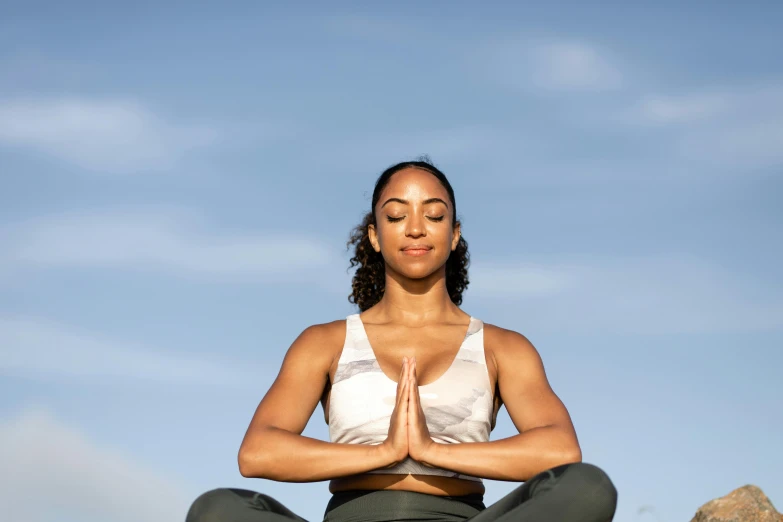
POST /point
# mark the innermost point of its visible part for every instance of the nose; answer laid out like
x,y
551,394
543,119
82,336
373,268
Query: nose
x,y
415,226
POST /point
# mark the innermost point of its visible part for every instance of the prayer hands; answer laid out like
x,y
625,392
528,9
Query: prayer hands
x,y
408,433
396,443
419,440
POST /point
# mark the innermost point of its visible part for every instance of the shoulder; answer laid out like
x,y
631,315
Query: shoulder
x,y
507,347
326,331
322,341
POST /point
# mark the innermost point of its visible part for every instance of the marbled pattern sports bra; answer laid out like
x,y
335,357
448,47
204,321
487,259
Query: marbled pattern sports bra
x,y
458,406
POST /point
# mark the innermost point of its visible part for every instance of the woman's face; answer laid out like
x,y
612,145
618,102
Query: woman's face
x,y
414,231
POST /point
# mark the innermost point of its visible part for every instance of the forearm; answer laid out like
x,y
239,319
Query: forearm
x,y
280,455
516,458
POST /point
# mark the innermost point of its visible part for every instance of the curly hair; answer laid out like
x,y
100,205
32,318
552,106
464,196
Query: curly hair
x,y
369,280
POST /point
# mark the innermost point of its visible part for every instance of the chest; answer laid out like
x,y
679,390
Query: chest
x,y
435,349
443,355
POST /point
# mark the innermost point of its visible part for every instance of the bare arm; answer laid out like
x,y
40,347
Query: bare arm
x,y
547,437
273,447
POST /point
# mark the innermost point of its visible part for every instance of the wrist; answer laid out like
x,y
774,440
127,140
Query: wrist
x,y
387,455
428,455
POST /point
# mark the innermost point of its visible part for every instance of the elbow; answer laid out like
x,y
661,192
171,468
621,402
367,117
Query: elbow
x,y
574,456
259,457
561,458
255,467
250,463
258,464
570,455
567,452
245,468
253,453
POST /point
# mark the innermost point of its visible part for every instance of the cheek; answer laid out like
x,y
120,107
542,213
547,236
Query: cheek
x,y
384,237
389,231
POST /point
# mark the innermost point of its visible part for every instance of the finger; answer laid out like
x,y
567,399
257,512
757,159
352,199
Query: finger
x,y
401,380
414,387
404,400
415,413
411,407
403,395
415,398
413,392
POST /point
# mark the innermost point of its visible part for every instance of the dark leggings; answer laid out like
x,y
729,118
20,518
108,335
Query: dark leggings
x,y
577,492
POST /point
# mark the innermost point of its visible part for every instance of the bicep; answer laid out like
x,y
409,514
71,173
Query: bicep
x,y
524,387
299,385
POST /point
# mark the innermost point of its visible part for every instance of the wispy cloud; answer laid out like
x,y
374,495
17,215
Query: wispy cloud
x,y
662,294
734,127
103,135
53,471
743,145
708,105
572,66
36,347
168,240
520,280
682,109
555,65
530,62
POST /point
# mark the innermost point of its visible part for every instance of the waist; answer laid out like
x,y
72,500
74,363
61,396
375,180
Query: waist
x,y
390,505
427,484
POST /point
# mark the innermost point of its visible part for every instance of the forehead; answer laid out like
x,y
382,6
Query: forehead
x,y
413,183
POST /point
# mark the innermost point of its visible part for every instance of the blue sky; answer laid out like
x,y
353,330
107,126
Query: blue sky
x,y
177,185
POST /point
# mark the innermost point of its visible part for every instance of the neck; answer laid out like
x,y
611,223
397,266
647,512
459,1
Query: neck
x,y
417,302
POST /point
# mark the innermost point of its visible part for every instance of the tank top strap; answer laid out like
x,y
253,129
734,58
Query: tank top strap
x,y
472,348
357,346
357,355
355,329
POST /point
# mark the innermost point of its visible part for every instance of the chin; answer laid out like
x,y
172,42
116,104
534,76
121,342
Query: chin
x,y
417,273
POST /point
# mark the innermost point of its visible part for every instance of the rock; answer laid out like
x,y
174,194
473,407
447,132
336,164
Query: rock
x,y
745,504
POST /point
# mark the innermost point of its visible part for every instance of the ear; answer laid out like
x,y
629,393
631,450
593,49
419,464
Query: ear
x,y
457,235
373,237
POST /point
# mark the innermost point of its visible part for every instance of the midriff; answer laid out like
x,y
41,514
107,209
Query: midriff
x,y
430,484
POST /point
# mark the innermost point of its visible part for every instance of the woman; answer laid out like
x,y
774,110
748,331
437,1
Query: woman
x,y
411,388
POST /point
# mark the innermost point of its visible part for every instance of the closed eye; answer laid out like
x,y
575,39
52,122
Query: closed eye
x,y
394,220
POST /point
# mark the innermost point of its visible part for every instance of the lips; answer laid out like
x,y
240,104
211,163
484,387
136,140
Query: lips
x,y
416,250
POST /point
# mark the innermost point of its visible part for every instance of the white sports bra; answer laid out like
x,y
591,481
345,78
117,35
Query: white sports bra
x,y
458,406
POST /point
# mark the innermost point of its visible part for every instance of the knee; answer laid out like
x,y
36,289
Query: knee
x,y
211,506
594,489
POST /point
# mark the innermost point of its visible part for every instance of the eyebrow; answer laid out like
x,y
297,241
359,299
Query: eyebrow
x,y
405,201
